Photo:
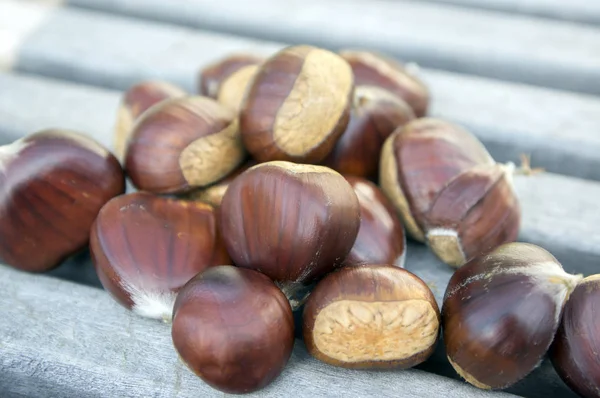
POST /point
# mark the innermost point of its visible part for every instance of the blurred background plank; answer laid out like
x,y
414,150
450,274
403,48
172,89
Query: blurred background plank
x,y
518,48
560,130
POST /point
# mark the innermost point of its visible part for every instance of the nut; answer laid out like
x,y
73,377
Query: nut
x,y
501,311
233,328
53,184
379,70
371,316
375,114
381,238
233,89
212,76
448,190
292,222
146,247
297,106
182,144
136,100
574,352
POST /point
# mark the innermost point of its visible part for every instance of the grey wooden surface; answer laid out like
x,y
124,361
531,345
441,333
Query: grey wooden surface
x,y
560,132
581,11
64,340
519,48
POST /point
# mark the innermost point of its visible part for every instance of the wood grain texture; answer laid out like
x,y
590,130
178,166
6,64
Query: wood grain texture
x,y
560,131
579,11
543,52
68,354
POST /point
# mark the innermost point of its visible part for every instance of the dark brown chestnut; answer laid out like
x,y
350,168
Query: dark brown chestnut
x,y
381,238
146,247
575,352
183,143
371,68
213,194
52,185
448,190
501,311
372,316
297,106
135,101
293,222
375,114
233,328
212,76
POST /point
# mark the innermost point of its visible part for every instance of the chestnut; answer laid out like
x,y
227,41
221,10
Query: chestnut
x,y
146,247
575,352
212,76
292,222
183,143
375,114
233,328
381,238
52,185
500,313
213,194
234,88
135,101
448,190
372,316
377,69
297,105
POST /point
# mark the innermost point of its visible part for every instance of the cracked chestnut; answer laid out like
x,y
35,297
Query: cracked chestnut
x,y
52,186
381,238
182,144
136,100
212,76
375,114
370,68
575,352
146,247
501,311
292,222
371,316
448,190
297,106
233,328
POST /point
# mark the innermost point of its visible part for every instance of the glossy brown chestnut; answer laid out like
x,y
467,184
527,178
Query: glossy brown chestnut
x,y
372,316
293,222
375,114
136,100
501,311
52,185
233,89
375,69
212,76
575,352
448,190
146,247
213,195
381,238
183,143
233,328
297,106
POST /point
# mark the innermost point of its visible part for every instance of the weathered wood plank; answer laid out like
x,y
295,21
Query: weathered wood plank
x,y
559,130
579,11
518,48
59,339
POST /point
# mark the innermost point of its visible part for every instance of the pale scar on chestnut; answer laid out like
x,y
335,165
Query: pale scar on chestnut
x,y
354,331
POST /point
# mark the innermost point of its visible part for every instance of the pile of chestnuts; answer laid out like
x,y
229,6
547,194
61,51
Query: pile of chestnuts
x,y
290,183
